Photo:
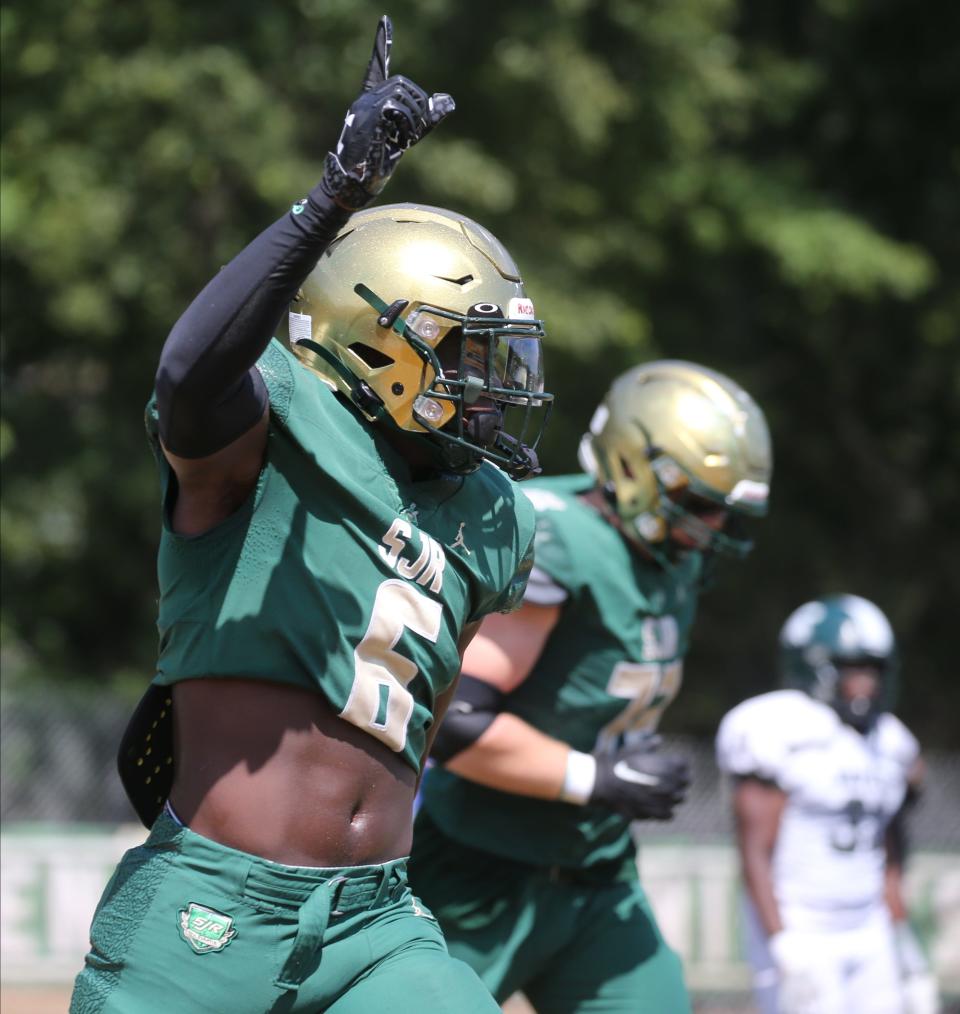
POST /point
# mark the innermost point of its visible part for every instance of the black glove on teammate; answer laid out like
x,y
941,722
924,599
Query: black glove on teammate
x,y
640,783
391,115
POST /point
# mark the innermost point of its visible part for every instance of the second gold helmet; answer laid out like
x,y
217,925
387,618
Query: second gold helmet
x,y
670,430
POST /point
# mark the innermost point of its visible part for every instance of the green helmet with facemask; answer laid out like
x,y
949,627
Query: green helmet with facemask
x,y
670,431
822,637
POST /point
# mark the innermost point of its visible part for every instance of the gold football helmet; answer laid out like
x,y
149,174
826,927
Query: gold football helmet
x,y
420,317
672,440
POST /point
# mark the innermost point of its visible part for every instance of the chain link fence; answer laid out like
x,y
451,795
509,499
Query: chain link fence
x,y
58,748
58,782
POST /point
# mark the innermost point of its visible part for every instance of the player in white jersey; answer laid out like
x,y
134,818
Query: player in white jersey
x,y
822,771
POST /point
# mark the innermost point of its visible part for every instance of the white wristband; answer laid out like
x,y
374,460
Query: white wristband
x,y
580,778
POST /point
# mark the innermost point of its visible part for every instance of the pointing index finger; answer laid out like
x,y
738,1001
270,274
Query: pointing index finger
x,y
378,69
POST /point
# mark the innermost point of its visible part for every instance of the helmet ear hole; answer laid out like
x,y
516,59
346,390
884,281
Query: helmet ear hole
x,y
373,358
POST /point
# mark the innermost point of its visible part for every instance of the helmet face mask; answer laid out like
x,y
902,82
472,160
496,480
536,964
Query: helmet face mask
x,y
677,446
392,317
486,364
683,513
830,640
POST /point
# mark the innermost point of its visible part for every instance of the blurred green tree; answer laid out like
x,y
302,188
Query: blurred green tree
x,y
769,189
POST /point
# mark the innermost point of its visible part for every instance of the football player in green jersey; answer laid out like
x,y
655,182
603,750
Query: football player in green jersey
x,y
522,846
334,529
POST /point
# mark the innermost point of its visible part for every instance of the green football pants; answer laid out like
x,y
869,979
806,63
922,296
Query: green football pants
x,y
188,926
574,943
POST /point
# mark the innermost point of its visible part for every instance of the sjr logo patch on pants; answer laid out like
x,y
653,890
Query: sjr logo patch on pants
x,y
205,929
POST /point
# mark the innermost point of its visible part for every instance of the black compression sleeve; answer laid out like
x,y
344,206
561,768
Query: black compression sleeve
x,y
472,711
208,392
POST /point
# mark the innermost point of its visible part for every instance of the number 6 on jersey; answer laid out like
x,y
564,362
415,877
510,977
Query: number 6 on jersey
x,y
379,700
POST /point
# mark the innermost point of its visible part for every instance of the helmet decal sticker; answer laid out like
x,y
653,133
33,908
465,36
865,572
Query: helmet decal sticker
x,y
301,326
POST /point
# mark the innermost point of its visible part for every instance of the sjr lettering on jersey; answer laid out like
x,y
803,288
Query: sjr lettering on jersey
x,y
426,569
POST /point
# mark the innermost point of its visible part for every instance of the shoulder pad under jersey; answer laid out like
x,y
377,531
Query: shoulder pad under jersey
x,y
759,734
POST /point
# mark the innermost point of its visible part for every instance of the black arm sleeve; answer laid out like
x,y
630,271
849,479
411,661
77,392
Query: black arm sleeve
x,y
472,711
208,392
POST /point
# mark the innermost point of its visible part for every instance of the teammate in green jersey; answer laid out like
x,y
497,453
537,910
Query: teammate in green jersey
x,y
522,845
334,529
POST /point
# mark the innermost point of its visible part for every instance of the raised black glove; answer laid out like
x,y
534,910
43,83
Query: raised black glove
x,y
640,783
391,115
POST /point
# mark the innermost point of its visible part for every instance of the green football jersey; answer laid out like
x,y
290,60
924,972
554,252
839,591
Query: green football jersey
x,y
609,669
340,573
